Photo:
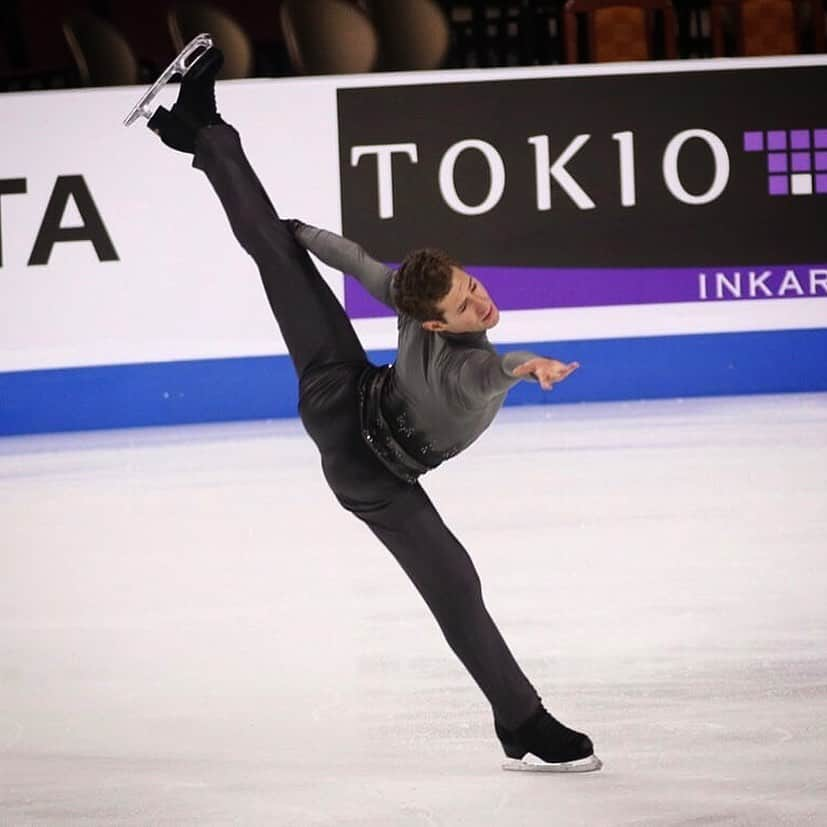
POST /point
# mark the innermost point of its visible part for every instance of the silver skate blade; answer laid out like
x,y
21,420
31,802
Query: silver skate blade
x,y
180,66
531,763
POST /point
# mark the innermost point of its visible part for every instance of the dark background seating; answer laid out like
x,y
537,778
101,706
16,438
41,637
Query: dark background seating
x,y
38,50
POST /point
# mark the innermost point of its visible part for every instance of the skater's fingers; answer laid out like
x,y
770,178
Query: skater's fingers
x,y
569,370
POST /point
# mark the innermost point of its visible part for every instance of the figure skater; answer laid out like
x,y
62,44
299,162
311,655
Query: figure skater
x,y
378,429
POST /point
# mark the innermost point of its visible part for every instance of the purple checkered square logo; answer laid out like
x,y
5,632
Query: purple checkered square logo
x,y
796,159
778,162
779,185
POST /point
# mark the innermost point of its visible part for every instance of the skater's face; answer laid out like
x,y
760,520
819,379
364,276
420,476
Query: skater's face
x,y
467,308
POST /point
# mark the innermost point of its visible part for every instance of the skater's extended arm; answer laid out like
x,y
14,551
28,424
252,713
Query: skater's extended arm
x,y
347,256
482,374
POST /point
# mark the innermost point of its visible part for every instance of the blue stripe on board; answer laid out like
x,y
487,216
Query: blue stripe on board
x,y
214,390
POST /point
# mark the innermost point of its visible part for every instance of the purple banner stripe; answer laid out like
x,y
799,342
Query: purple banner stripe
x,y
527,288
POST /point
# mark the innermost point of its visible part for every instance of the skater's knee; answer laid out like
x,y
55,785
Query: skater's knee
x,y
460,583
469,584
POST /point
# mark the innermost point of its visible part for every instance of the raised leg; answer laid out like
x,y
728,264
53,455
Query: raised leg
x,y
316,328
314,324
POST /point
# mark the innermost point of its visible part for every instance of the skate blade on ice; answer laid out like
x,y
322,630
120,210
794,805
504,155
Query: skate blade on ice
x,y
180,66
531,763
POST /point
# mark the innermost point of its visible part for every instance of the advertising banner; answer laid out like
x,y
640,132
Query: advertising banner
x,y
598,191
661,223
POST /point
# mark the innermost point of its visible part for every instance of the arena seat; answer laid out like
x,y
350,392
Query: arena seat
x,y
186,20
102,54
328,37
619,30
751,28
413,34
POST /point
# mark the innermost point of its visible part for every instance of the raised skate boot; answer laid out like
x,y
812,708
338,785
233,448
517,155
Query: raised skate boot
x,y
543,744
183,64
195,107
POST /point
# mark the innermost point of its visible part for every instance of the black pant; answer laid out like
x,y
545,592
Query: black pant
x,y
329,361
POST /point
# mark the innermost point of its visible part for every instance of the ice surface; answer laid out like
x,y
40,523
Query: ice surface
x,y
193,633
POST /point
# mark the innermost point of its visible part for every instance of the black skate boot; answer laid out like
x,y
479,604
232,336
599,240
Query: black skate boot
x,y
543,744
195,107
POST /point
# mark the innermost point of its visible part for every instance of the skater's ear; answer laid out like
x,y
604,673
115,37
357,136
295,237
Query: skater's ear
x,y
434,326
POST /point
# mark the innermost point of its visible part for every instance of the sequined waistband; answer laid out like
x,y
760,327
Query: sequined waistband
x,y
380,435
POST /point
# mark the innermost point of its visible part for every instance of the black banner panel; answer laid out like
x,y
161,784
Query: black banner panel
x,y
595,190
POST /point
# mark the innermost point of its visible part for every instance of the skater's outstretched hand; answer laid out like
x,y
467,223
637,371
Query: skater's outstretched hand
x,y
547,371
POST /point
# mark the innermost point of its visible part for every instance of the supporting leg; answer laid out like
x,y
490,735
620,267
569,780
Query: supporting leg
x,y
444,575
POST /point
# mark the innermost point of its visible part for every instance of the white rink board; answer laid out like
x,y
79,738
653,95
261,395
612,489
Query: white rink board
x,y
182,288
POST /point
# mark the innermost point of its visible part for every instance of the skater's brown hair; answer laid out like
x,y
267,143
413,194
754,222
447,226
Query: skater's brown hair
x,y
422,282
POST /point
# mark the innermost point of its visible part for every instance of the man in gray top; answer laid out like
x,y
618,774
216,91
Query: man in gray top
x,y
379,429
448,382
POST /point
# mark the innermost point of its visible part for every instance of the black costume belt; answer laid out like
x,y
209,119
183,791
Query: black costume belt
x,y
392,449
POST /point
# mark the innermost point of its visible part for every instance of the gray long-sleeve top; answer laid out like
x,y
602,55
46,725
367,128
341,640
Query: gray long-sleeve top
x,y
444,389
